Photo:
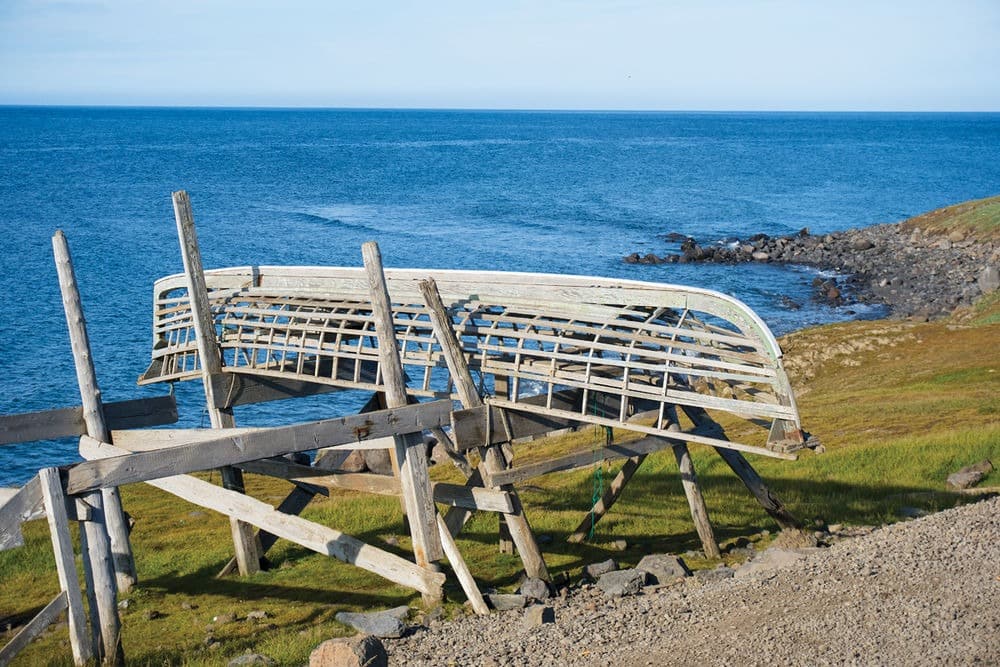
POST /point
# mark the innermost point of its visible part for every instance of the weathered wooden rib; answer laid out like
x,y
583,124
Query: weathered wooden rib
x,y
641,344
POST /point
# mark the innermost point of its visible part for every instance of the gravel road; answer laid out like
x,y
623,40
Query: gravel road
x,y
923,592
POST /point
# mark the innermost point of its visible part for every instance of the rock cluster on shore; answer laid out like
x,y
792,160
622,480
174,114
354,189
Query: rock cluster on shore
x,y
915,274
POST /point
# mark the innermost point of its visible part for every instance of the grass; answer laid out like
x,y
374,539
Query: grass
x,y
978,219
898,406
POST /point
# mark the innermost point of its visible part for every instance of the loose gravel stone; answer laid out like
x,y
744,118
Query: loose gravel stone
x,y
919,592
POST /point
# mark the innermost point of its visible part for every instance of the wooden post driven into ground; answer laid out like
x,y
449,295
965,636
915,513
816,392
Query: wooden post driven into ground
x,y
413,474
93,409
244,540
492,455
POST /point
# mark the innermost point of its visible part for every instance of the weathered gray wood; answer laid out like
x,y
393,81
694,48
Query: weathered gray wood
x,y
742,468
461,570
68,422
36,626
232,388
313,536
293,504
492,456
696,502
609,498
20,507
412,461
102,590
62,548
250,446
247,552
93,411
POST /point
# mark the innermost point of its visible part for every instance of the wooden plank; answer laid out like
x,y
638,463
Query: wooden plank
x,y
492,456
102,590
93,414
696,502
454,556
576,460
609,498
742,468
413,474
149,440
239,387
247,553
62,548
293,472
20,507
36,626
320,539
141,412
257,444
473,498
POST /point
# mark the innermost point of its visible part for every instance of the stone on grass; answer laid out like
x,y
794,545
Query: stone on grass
x,y
622,582
663,568
378,623
506,601
360,651
717,574
989,279
595,570
537,615
969,476
535,589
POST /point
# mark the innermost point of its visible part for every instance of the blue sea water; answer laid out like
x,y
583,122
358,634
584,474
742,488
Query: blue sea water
x,y
536,191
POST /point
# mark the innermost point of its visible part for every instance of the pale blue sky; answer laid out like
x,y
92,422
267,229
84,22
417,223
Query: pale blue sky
x,y
625,54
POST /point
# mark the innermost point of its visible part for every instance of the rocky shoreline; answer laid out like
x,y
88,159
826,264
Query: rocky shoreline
x,y
916,274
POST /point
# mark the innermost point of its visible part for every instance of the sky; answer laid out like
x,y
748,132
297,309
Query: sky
x,y
933,55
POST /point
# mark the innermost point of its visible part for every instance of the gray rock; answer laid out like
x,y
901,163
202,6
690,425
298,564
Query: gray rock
x,y
663,568
378,461
378,623
505,602
537,615
760,256
860,244
622,582
988,279
360,651
251,659
718,574
257,615
535,589
970,475
595,570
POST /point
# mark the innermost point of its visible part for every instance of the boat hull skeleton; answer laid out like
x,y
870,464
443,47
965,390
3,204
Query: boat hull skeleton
x,y
644,347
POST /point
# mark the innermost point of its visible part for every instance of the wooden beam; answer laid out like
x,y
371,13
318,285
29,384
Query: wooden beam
x,y
62,548
609,498
68,422
413,474
123,563
210,357
148,440
102,593
20,507
576,460
235,387
257,444
472,592
36,626
493,460
696,502
318,538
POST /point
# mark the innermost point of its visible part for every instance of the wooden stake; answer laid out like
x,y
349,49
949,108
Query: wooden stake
x,y
413,473
101,587
461,570
699,513
62,547
609,498
492,457
93,410
244,541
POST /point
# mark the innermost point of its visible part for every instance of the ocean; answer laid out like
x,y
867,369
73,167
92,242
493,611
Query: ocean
x,y
561,192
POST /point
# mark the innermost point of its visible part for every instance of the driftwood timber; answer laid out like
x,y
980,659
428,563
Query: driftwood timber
x,y
493,459
69,422
93,411
313,536
248,554
414,479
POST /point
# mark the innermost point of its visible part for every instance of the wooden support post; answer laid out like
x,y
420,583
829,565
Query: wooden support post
x,y
36,626
492,457
461,570
699,513
413,474
609,498
101,588
248,554
93,410
739,465
62,548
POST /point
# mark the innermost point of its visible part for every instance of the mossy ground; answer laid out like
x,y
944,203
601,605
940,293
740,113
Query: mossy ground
x,y
898,406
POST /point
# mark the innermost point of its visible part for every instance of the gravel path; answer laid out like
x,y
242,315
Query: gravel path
x,y
916,593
